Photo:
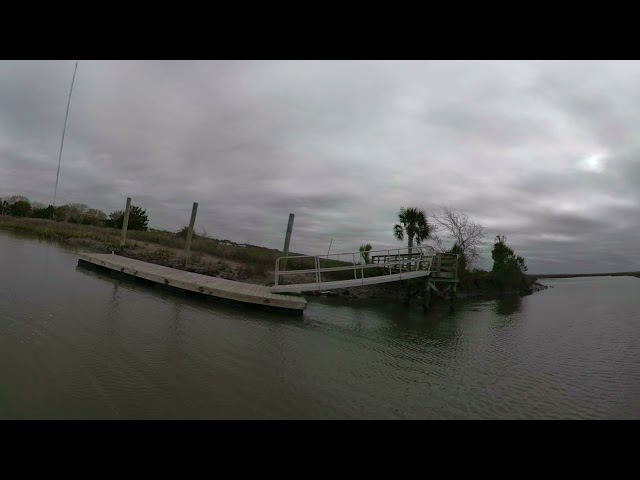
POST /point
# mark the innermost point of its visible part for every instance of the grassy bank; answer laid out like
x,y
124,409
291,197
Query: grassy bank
x,y
110,237
209,256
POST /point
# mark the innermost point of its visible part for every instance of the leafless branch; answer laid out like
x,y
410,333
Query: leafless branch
x,y
467,234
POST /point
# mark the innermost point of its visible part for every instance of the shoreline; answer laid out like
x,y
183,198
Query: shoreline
x,y
250,265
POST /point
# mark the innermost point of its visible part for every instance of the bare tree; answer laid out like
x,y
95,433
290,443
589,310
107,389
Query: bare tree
x,y
467,235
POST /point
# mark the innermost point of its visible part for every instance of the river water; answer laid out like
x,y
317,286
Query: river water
x,y
77,344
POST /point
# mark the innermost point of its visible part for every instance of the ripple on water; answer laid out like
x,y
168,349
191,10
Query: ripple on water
x,y
85,345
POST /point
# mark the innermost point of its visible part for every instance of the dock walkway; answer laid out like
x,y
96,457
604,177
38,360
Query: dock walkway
x,y
195,282
369,268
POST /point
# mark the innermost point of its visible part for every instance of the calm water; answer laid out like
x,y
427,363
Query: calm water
x,y
79,344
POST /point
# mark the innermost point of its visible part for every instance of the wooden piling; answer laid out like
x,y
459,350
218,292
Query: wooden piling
x,y
287,239
125,223
454,285
426,301
452,296
192,222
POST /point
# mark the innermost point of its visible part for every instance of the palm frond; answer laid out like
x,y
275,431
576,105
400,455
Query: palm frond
x,y
398,232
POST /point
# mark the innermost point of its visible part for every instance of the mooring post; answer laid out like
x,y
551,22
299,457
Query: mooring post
x,y
192,222
287,239
125,223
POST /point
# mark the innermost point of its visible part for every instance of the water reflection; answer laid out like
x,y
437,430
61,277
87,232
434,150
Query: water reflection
x,y
113,308
393,325
508,305
177,324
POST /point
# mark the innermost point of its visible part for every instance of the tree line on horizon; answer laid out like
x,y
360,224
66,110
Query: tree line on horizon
x,y
78,213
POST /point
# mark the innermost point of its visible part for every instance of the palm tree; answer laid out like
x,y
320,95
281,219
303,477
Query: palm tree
x,y
413,224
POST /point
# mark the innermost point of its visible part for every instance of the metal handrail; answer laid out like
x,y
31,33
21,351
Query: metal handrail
x,y
417,258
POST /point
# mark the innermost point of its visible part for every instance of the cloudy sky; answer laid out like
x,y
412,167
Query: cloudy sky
x,y
547,153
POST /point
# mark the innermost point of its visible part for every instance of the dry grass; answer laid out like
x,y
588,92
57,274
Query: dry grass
x,y
60,230
260,259
165,247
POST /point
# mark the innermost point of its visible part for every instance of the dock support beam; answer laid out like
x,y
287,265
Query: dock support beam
x,y
453,297
408,292
125,223
426,301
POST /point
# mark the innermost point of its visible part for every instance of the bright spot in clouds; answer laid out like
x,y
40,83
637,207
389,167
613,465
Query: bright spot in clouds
x,y
593,163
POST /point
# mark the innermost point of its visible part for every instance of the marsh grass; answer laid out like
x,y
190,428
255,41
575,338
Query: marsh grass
x,y
262,258
256,261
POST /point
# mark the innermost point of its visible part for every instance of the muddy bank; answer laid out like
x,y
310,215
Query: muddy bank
x,y
413,290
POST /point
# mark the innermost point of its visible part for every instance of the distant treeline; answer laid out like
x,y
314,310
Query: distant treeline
x,y
579,275
21,206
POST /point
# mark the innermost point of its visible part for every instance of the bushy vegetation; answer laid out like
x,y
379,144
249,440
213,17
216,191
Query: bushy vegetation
x,y
508,268
138,219
364,252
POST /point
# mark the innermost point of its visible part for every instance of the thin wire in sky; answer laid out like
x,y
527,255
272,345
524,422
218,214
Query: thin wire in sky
x,y
55,191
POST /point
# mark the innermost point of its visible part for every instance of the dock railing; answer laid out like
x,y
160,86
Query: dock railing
x,y
445,266
391,260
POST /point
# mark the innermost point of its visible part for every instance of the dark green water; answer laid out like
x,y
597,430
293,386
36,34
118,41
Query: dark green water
x,y
77,344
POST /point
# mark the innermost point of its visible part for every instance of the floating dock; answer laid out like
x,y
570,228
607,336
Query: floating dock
x,y
195,282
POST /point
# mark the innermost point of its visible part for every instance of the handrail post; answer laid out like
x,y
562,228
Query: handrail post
x,y
388,262
277,265
355,272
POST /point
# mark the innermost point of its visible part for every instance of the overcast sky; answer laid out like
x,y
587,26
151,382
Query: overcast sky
x,y
547,153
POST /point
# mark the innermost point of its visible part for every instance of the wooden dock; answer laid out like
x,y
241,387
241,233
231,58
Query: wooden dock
x,y
195,282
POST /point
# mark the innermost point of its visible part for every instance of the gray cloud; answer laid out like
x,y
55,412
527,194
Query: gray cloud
x,y
544,152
